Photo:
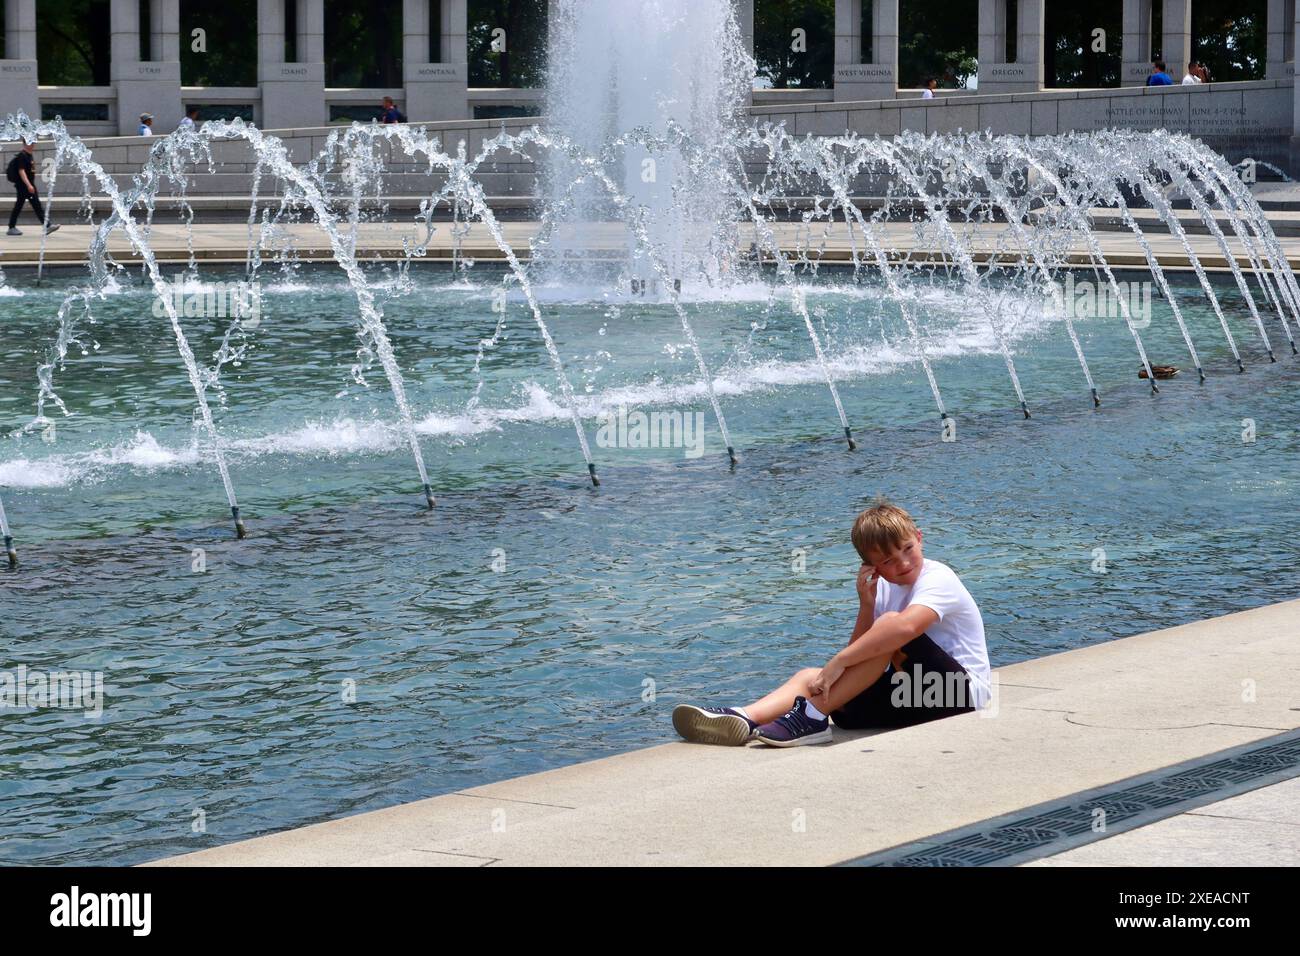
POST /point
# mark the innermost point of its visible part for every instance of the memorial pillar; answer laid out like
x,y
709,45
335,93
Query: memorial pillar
x,y
145,86
1280,60
1136,47
293,94
1176,43
436,81
859,76
18,79
1005,67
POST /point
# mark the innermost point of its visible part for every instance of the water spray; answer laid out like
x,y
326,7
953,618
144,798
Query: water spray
x,y
10,552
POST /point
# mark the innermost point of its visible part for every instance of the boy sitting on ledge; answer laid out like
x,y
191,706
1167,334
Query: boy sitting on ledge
x,y
917,653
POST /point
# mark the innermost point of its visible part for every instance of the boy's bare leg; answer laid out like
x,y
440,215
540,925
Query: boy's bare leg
x,y
852,682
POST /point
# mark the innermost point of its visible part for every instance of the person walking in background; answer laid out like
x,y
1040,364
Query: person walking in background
x,y
21,171
1191,78
191,117
1159,75
1202,71
391,114
928,92
146,125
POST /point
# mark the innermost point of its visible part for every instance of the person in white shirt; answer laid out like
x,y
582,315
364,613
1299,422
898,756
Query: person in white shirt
x,y
917,653
1190,78
146,125
928,92
191,115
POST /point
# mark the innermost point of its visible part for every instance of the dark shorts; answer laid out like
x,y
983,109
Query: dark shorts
x,y
929,686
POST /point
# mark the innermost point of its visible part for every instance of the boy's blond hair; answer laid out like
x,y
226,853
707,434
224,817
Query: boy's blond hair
x,y
882,527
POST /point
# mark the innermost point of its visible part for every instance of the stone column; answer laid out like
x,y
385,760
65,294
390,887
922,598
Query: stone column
x,y
1295,107
1280,60
1025,74
436,83
153,86
311,31
1136,49
1176,43
165,30
293,94
18,68
854,78
745,20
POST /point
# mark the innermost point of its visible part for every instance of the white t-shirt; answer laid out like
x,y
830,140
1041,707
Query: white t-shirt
x,y
960,628
1190,79
927,95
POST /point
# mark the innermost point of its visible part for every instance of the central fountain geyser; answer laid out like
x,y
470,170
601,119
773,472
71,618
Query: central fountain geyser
x,y
646,134
623,81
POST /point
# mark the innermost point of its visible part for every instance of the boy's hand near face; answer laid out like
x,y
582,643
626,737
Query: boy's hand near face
x,y
868,578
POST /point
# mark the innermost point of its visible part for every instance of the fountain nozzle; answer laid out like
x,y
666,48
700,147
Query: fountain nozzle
x,y
591,469
853,446
428,496
240,530
9,550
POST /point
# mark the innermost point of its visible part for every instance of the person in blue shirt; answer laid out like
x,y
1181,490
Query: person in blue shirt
x,y
391,113
1159,75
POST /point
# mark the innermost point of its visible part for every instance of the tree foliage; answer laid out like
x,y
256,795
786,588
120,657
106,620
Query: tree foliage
x,y
363,43
230,57
1071,60
72,42
939,40
787,60
1230,37
523,61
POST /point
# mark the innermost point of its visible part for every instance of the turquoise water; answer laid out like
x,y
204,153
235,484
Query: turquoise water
x,y
531,620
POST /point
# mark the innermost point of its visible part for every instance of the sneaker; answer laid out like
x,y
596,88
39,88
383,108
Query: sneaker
x,y
14,232
795,728
712,725
53,227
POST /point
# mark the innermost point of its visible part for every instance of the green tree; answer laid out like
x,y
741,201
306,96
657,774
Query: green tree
x,y
523,61
72,42
779,64
363,43
1070,60
943,47
1230,37
230,57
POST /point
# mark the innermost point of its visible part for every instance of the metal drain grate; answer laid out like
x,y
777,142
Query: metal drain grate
x,y
1059,825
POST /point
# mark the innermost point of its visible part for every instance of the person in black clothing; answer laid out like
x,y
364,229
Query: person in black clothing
x,y
22,173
